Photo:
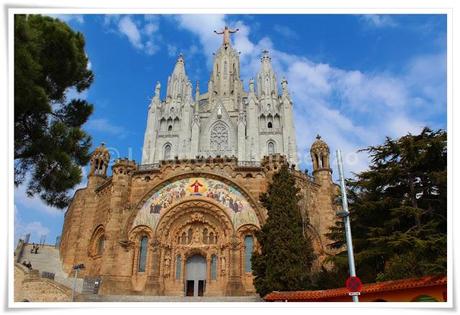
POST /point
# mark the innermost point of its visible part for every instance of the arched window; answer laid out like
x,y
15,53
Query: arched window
x,y
213,267
143,253
271,148
100,245
269,125
211,238
219,136
178,266
248,249
167,152
205,236
170,128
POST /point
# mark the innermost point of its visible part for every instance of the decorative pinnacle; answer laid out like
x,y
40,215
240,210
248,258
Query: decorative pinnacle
x,y
265,54
318,137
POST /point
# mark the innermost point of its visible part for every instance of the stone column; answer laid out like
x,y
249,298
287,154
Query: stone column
x,y
234,285
153,285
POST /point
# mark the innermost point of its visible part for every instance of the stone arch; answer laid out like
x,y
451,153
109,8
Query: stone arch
x,y
190,207
252,202
167,151
271,147
94,243
134,242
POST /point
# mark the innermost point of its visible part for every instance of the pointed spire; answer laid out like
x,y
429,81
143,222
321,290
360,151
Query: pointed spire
x,y
251,86
197,97
265,56
179,67
157,90
284,86
266,80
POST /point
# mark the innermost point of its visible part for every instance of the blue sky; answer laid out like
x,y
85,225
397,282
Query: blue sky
x,y
354,79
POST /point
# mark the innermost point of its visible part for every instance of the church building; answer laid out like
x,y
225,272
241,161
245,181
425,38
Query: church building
x,y
183,221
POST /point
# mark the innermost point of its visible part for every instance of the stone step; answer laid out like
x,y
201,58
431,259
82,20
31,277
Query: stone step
x,y
48,259
144,298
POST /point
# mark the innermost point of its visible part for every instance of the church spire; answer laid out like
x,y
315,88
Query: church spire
x,y
225,79
177,82
266,79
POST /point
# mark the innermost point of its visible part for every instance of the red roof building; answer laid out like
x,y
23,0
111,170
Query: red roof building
x,y
426,289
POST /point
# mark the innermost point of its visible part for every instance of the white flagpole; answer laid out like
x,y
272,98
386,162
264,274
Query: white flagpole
x,y
346,219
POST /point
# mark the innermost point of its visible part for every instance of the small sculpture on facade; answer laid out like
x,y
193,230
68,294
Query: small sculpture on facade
x,y
222,265
167,264
196,238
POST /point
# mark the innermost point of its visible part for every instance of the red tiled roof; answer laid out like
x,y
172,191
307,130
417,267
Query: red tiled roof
x,y
377,287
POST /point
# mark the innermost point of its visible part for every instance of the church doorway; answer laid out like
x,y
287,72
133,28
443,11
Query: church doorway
x,y
195,283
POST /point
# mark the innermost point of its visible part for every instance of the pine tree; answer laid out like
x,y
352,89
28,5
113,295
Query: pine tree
x,y
49,145
399,210
286,255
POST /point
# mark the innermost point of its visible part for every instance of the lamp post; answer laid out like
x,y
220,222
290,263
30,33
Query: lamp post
x,y
345,214
76,268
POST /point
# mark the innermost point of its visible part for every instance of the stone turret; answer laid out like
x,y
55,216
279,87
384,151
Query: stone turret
x,y
267,89
289,137
177,82
151,131
225,77
322,171
99,163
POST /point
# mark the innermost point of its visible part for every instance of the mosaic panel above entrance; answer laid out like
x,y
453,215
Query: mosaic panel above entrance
x,y
228,196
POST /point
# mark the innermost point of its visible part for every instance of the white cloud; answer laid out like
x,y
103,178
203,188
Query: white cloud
x,y
285,31
33,203
128,28
203,26
105,126
172,50
378,20
141,31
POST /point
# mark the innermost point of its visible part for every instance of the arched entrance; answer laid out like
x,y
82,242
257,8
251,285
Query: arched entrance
x,y
195,283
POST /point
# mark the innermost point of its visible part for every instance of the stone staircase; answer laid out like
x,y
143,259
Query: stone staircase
x,y
47,260
145,298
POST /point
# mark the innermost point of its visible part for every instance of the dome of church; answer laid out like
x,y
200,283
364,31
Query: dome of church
x,y
319,145
101,149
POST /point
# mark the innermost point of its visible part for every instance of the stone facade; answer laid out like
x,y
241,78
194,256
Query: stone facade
x,y
183,221
224,121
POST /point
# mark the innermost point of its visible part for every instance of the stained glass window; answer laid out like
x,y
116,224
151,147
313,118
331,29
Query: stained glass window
x,y
213,267
248,248
178,266
143,253
100,245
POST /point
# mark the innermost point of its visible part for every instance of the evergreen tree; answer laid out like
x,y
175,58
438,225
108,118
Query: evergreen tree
x,y
286,255
398,210
49,145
